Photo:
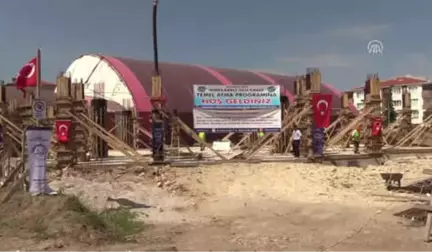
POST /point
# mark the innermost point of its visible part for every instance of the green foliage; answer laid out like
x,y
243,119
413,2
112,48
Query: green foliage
x,y
119,225
390,113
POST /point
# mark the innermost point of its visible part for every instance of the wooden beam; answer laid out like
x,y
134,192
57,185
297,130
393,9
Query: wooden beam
x,y
414,131
111,136
112,143
191,133
228,136
349,127
272,137
11,175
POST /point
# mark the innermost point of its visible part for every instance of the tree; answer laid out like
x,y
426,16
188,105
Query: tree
x,y
390,113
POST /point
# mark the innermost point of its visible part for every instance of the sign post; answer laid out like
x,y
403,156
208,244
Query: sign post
x,y
39,109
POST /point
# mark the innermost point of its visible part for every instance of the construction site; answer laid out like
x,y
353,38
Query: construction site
x,y
115,194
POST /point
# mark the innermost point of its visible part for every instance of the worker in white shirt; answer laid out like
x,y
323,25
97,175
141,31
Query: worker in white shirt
x,y
296,137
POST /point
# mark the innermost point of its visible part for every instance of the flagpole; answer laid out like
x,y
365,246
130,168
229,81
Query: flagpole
x,y
38,80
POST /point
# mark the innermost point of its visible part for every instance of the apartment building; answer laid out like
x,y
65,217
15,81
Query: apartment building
x,y
414,86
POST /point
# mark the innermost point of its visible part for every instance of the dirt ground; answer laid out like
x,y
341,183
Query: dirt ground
x,y
271,206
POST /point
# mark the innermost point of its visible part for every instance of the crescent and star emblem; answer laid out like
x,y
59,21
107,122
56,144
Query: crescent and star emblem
x,y
28,70
377,126
32,71
63,129
325,103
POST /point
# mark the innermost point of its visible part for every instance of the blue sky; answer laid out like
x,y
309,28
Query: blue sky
x,y
283,36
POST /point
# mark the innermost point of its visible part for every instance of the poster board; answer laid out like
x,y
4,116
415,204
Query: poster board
x,y
237,108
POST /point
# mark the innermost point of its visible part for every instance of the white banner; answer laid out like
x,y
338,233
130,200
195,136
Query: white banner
x,y
237,96
38,143
223,121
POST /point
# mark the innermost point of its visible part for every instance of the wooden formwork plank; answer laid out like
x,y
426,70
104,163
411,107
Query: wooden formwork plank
x,y
140,141
419,134
192,134
288,121
114,128
228,136
287,118
393,125
349,127
17,131
244,138
16,185
111,136
414,131
408,136
11,175
112,143
333,125
273,136
13,137
10,123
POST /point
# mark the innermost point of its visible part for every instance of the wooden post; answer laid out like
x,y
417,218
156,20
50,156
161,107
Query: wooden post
x,y
428,225
6,146
125,127
345,116
301,102
281,145
64,105
99,116
80,135
26,112
313,78
345,101
405,124
373,101
175,133
282,142
13,115
135,129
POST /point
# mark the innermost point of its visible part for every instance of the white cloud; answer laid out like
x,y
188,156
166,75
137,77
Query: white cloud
x,y
326,60
360,31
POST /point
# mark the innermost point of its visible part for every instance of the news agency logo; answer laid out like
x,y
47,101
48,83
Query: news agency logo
x,y
375,47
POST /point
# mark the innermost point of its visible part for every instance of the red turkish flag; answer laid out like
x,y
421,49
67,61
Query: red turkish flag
x,y
27,76
62,130
322,108
376,126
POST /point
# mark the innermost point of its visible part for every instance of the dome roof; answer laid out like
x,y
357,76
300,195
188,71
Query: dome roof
x,y
178,80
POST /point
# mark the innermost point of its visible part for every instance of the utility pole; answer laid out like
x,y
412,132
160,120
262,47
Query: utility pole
x,y
157,99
